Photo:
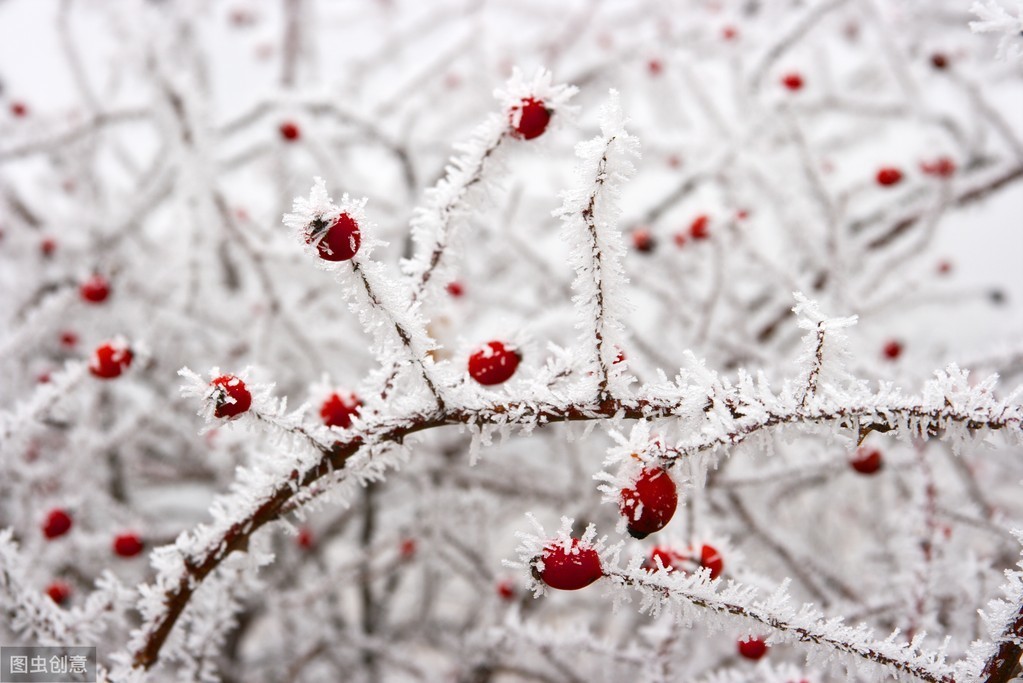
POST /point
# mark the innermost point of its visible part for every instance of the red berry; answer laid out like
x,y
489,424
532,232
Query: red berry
x,y
709,558
408,548
742,214
944,267
506,589
127,545
19,109
340,241
939,61
643,240
866,460
699,228
43,377
729,33
942,167
668,557
888,176
59,592
95,290
58,523
529,118
570,571
493,363
68,338
792,81
338,409
650,504
290,131
48,246
655,67
305,538
233,398
754,648
455,289
109,360
892,350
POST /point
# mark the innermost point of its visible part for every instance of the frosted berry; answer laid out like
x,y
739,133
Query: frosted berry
x,y
942,167
668,557
754,648
56,524
59,592
338,409
570,571
699,228
95,290
127,545
19,109
529,118
643,240
892,350
866,460
48,246
650,504
494,363
340,242
455,289
708,557
110,360
888,176
232,396
792,81
939,61
290,131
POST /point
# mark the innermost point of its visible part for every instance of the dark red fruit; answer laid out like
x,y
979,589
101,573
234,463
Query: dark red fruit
x,y
754,648
708,558
570,571
455,289
529,118
290,131
338,410
892,350
942,167
232,397
341,240
48,246
888,176
792,81
68,339
305,538
57,523
650,504
669,558
19,109
127,545
493,363
699,228
59,592
866,460
95,290
506,589
643,240
110,360
939,61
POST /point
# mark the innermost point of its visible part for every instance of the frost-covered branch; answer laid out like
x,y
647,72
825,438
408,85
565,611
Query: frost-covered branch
x,y
590,214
